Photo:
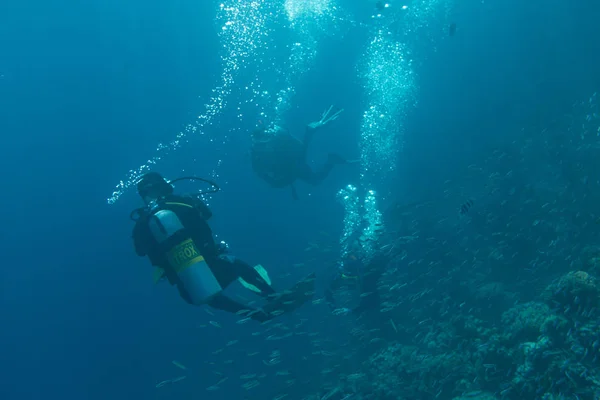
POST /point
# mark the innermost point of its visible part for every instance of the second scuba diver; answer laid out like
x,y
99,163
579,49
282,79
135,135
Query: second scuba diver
x,y
279,158
356,275
173,232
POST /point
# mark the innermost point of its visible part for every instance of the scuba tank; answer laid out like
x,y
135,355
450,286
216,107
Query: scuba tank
x,y
183,256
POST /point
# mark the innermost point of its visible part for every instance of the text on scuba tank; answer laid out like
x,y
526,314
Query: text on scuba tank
x,y
184,255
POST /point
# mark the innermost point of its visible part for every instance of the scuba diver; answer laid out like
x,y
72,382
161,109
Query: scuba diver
x,y
173,232
279,158
354,274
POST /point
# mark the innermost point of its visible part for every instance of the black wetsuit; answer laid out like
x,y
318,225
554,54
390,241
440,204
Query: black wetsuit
x,y
193,214
364,279
280,159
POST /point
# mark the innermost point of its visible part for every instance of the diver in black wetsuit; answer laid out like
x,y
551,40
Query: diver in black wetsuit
x,y
279,158
173,232
354,274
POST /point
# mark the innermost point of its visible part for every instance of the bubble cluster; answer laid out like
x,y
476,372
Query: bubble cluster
x,y
303,10
362,222
244,35
389,90
308,20
373,225
349,198
252,69
389,80
425,18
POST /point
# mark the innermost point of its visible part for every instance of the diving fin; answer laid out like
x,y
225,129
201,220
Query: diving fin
x,y
158,275
263,273
292,298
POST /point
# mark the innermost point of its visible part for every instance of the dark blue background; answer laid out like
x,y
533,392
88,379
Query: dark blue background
x,y
89,89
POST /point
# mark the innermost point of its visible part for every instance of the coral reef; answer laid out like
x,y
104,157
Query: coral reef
x,y
536,352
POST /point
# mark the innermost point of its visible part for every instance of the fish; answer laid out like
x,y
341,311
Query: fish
x,y
174,380
179,365
466,206
251,385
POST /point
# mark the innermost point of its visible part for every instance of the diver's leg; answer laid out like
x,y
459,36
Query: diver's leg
x,y
306,174
329,298
370,297
368,301
250,275
222,270
335,285
308,137
228,268
329,293
224,303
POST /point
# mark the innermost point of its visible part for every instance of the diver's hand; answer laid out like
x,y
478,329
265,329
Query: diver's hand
x,y
222,247
325,118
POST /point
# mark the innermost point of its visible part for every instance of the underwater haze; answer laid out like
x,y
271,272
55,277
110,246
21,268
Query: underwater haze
x,y
475,127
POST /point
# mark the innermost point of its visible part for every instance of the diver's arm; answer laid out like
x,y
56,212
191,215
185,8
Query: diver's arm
x,y
145,245
139,244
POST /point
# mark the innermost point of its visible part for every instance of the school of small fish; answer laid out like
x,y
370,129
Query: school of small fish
x,y
497,301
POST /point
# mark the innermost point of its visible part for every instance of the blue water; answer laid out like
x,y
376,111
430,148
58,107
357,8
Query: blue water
x,y
89,89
